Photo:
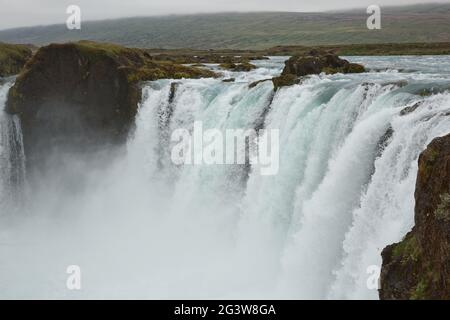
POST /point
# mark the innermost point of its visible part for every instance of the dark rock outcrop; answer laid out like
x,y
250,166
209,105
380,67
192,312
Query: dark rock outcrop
x,y
12,58
419,266
317,62
255,83
80,97
285,80
314,62
238,67
409,109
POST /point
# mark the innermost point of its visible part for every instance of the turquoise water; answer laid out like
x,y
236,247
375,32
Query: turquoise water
x,y
146,228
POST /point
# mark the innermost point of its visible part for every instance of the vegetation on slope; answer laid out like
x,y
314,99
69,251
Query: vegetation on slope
x,y
13,58
407,24
418,267
394,49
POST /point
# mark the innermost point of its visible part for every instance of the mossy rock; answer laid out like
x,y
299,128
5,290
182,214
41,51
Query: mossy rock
x,y
255,83
418,267
319,61
355,68
408,250
285,80
84,95
13,57
238,67
443,209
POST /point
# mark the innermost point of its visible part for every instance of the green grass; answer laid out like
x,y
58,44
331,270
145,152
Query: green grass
x,y
408,24
407,250
12,58
11,50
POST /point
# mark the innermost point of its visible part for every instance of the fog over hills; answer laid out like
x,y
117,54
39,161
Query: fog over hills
x,y
257,30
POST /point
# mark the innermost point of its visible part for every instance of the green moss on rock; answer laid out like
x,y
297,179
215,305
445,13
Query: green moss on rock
x,y
355,68
316,62
12,58
419,266
285,80
84,94
406,251
420,291
443,210
313,62
238,67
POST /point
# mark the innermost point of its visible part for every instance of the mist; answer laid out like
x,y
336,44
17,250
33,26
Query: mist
x,y
141,227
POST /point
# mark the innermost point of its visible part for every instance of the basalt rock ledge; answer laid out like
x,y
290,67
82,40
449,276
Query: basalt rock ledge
x,y
419,266
314,62
83,96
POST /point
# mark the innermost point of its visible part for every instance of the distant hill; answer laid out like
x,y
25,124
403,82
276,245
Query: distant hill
x,y
417,23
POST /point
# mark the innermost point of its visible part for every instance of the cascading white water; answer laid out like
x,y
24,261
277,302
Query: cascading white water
x,y
146,228
12,159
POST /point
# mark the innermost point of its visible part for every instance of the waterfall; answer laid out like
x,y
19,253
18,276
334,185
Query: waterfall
x,y
340,196
12,159
349,146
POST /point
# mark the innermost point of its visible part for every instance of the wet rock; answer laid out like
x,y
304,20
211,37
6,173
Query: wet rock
x,y
285,80
384,141
418,267
410,109
400,83
81,97
314,62
317,62
255,83
173,91
238,67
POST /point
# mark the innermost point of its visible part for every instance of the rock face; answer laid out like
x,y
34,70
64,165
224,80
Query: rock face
x,y
79,97
285,80
317,62
419,266
238,67
12,58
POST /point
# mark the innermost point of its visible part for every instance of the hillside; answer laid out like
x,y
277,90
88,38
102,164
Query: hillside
x,y
13,58
418,23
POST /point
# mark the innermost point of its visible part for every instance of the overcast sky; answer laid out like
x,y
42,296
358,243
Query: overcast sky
x,y
17,13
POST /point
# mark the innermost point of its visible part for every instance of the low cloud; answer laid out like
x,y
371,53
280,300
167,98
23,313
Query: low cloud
x,y
29,12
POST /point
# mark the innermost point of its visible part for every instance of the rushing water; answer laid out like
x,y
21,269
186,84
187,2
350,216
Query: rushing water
x,y
146,228
12,159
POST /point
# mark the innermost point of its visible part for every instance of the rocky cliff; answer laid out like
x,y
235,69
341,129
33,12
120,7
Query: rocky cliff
x,y
83,96
419,266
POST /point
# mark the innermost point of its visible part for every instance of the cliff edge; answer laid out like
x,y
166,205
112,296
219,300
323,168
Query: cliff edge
x,y
419,266
78,97
12,58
